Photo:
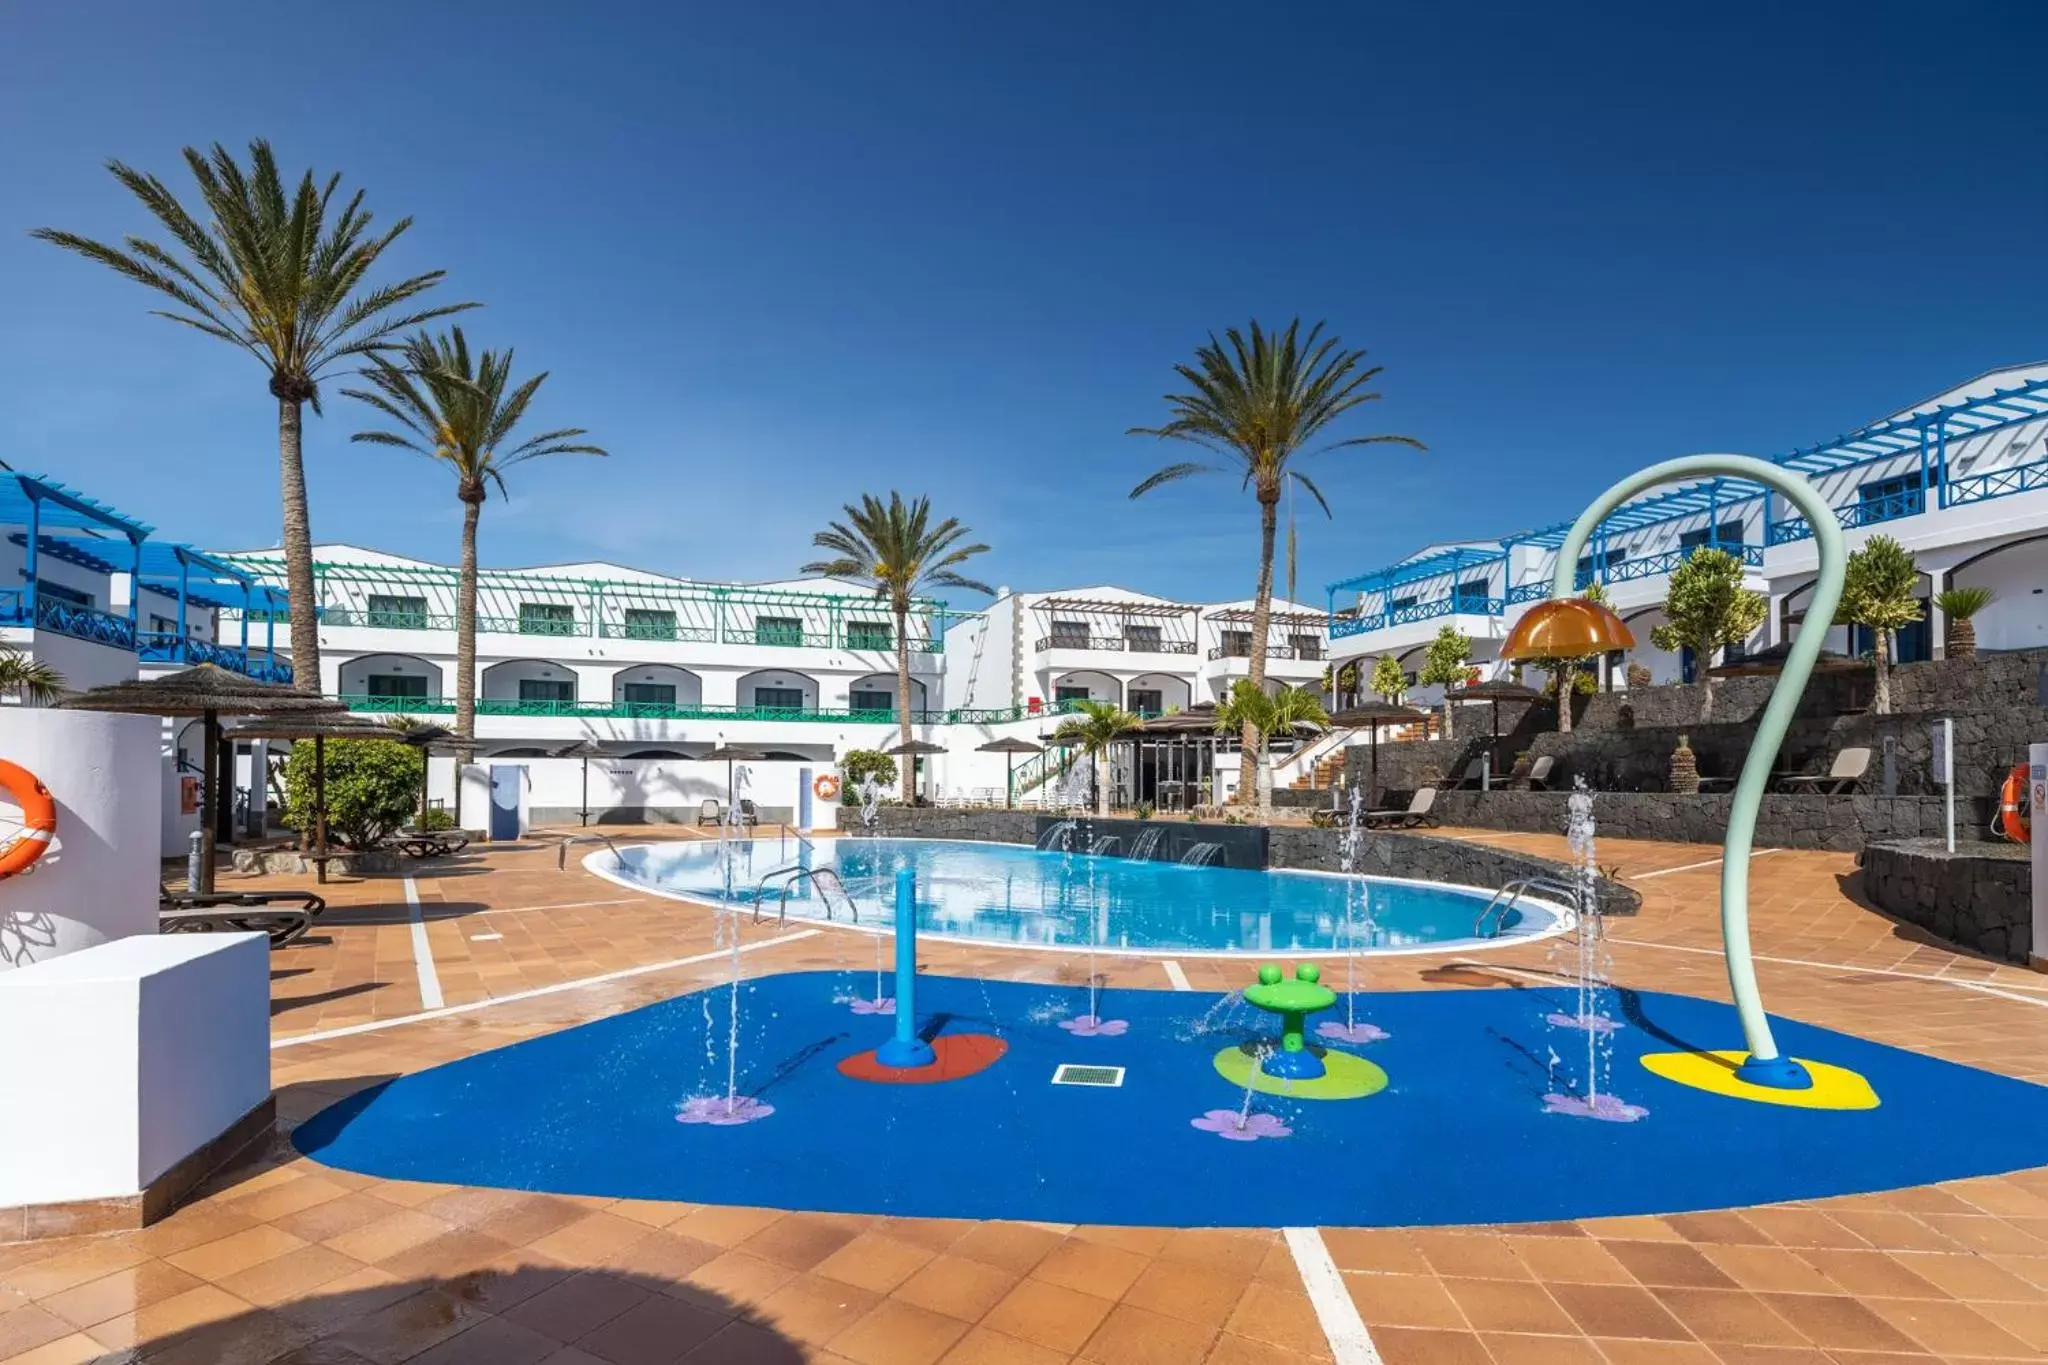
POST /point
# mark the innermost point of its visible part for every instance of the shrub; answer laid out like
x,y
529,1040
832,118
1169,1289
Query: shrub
x,y
857,767
1144,811
436,819
373,788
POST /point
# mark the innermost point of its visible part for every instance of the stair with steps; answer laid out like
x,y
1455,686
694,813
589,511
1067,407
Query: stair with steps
x,y
1325,775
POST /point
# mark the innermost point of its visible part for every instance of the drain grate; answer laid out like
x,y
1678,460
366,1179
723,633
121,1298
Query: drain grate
x,y
1074,1073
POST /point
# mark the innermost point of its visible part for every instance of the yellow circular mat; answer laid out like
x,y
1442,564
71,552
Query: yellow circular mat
x,y
1345,1077
1833,1087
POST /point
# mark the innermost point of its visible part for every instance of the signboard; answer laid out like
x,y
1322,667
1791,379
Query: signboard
x,y
188,796
1940,763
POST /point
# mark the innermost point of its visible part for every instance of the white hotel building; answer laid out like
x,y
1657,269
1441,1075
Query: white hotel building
x,y
1961,480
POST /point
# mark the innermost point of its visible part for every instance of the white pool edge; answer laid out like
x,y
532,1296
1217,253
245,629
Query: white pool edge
x,y
1563,918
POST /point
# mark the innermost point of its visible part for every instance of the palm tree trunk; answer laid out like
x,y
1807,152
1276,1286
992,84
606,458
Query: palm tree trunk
x,y
298,548
1884,673
465,627
1252,758
903,699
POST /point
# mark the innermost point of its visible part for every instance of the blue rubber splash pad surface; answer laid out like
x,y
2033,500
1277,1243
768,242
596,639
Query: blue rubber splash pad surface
x,y
1460,1134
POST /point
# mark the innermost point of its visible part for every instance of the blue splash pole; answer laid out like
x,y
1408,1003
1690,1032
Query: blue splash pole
x,y
906,1049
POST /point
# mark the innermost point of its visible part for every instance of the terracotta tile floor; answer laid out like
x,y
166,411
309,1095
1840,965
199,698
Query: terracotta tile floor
x,y
288,1262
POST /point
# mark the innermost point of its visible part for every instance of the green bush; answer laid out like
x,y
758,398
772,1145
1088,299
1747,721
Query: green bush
x,y
857,767
435,819
373,789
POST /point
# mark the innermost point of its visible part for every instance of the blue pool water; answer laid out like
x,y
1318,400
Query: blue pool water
x,y
1005,893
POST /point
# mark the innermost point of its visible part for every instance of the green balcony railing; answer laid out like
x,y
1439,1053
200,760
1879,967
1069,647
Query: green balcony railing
x,y
640,710
651,630
381,620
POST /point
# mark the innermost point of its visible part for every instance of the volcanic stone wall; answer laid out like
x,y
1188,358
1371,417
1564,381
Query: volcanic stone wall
x,y
1977,897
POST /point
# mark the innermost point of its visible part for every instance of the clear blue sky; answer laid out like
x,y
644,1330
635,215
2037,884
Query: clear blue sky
x,y
778,254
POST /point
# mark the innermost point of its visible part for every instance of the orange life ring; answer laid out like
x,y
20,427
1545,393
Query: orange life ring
x,y
827,787
38,819
2014,820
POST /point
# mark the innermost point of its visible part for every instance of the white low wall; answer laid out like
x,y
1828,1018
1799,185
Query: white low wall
x,y
127,1058
98,881
675,786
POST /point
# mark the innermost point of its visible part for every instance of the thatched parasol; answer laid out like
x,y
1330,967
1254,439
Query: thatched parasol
x,y
1011,748
731,754
1769,661
209,692
914,749
1496,690
1370,716
319,729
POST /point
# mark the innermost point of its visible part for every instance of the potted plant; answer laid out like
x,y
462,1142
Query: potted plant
x,y
1957,607
1638,676
1685,769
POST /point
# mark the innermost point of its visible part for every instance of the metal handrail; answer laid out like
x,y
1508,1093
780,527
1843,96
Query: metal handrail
x,y
1514,891
562,849
792,877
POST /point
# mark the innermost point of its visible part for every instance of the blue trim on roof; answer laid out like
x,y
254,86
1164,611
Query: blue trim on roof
x,y
62,508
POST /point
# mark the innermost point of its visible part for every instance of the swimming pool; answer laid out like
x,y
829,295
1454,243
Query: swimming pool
x,y
1010,894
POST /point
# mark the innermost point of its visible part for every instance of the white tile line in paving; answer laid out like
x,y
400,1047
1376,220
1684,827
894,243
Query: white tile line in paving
x,y
1978,986
1690,867
565,905
1175,975
622,974
1350,1343
422,952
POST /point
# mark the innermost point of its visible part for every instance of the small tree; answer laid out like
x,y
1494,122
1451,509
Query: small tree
x,y
1444,665
1566,680
1705,608
1289,710
1346,688
857,767
373,786
1389,679
1878,595
1093,728
1959,608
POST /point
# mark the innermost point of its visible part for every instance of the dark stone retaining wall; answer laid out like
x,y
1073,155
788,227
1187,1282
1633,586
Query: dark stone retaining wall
x,y
1978,897
1839,823
1385,854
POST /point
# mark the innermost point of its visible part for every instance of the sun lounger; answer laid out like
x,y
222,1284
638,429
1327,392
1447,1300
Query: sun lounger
x,y
710,812
1539,772
1473,776
1416,812
1842,775
284,915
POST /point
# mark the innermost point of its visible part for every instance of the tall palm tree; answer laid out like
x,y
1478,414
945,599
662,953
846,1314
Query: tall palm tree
x,y
29,679
1258,402
461,410
1287,711
270,271
895,548
1093,728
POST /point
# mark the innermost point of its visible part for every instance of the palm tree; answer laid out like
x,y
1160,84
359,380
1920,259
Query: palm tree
x,y
1959,607
1290,710
1093,728
462,411
894,547
268,271
28,679
1258,402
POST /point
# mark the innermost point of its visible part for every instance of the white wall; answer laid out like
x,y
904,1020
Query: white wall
x,y
128,1057
84,664
670,784
98,881
2019,618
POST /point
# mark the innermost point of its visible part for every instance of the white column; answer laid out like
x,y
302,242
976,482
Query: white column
x,y
98,880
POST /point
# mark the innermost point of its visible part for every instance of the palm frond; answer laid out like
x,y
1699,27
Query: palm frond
x,y
895,549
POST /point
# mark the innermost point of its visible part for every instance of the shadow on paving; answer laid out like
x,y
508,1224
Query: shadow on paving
x,y
509,1313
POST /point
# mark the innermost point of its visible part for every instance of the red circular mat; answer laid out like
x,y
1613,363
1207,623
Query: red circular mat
x,y
959,1055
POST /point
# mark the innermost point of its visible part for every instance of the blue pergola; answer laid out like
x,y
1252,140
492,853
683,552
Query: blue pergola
x,y
44,505
192,578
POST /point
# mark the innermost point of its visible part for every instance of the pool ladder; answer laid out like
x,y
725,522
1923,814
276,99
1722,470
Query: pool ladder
x,y
792,877
1505,898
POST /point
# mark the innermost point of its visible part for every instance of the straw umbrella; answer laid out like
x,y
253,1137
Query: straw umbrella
x,y
913,749
319,729
1496,691
731,754
1010,748
209,692
1370,716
